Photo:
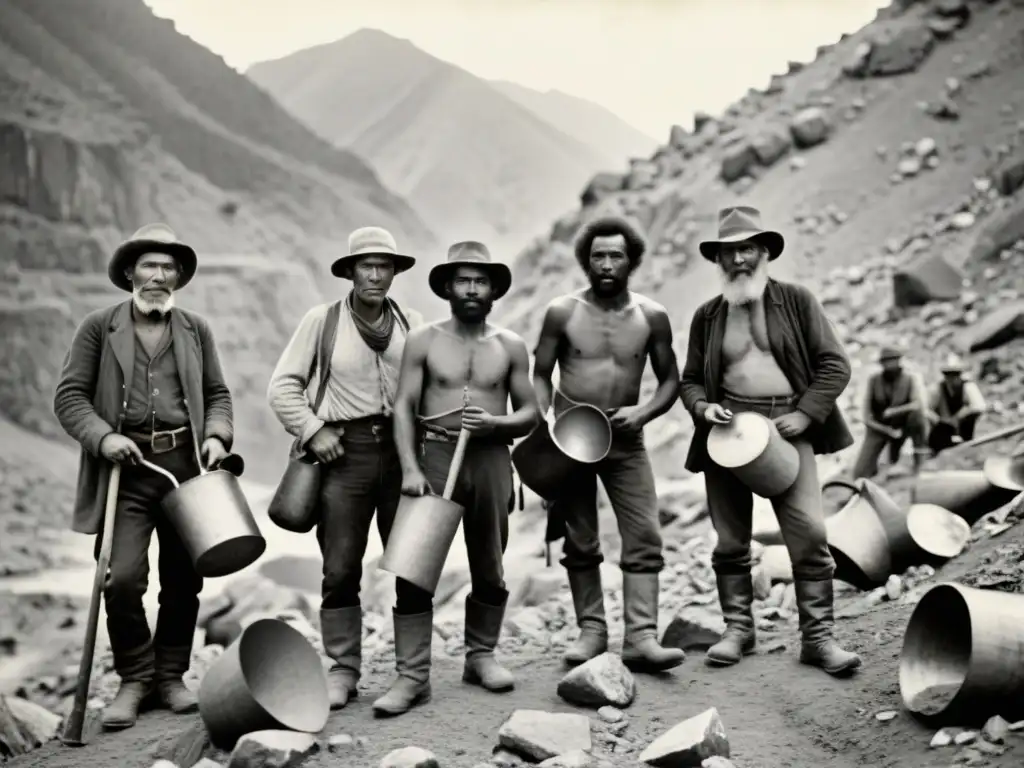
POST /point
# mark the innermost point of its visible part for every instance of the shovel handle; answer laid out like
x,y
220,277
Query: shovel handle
x,y
456,465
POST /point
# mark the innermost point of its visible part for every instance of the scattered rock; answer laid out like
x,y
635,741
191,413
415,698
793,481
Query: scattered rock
x,y
995,729
810,126
901,52
965,737
600,681
539,735
689,743
577,758
409,757
272,749
886,716
694,628
942,738
611,714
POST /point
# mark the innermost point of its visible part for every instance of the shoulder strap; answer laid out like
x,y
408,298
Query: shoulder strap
x,y
323,355
403,321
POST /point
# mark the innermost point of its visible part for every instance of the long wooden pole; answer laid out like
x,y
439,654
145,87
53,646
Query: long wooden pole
x,y
989,438
76,720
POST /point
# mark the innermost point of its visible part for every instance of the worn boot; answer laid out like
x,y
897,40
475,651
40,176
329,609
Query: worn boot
x,y
136,669
342,630
641,650
171,665
483,627
736,595
814,602
413,636
588,600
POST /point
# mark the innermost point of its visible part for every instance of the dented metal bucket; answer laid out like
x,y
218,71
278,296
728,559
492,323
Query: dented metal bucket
x,y
1005,472
552,452
967,493
937,533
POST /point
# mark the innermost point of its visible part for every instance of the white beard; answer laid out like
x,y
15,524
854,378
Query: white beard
x,y
745,289
147,306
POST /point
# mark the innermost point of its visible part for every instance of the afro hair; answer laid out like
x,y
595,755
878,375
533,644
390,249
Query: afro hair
x,y
609,226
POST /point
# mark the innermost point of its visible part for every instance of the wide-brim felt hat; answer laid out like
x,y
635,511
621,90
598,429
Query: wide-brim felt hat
x,y
371,241
152,238
737,224
470,253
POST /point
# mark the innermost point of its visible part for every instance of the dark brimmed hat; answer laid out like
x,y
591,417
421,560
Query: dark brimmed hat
x,y
890,353
737,224
152,238
371,241
470,253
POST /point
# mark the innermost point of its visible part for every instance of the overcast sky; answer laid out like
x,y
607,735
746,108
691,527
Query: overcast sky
x,y
652,62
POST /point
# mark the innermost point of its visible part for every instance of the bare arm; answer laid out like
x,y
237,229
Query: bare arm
x,y
407,399
216,395
691,384
974,400
72,401
546,355
524,400
663,361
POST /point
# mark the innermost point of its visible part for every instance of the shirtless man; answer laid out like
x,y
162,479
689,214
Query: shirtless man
x,y
601,339
462,372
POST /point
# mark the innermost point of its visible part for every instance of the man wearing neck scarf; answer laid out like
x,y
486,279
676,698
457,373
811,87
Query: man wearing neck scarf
x,y
350,434
894,410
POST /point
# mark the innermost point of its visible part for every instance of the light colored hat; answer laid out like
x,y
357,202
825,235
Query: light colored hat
x,y
152,238
371,241
953,364
470,253
737,224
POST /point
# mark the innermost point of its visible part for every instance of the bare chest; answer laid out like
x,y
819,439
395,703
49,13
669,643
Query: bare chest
x,y
479,364
746,329
597,334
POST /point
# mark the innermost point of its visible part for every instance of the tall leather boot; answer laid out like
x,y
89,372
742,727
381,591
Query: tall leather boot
x,y
136,669
641,650
588,600
483,628
171,665
814,600
342,631
413,636
736,596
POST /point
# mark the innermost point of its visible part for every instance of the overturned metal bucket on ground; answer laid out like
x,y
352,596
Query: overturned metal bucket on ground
x,y
962,659
964,492
213,519
1005,472
751,447
858,538
551,453
420,539
937,533
269,678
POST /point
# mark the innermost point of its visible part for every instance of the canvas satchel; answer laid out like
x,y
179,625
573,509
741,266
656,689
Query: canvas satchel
x,y
295,506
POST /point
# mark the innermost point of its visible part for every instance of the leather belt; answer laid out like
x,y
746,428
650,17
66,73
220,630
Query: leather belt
x,y
161,441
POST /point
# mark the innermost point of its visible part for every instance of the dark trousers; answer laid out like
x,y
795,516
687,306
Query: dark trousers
x,y
138,514
941,436
799,511
914,426
484,489
366,479
628,480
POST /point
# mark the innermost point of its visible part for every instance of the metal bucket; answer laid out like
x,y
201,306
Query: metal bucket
x,y
213,519
963,656
964,492
751,447
859,544
270,678
420,539
938,533
1005,472
579,436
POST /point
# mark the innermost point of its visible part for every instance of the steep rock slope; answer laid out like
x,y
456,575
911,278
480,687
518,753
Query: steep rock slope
x,y
473,161
872,151
111,119
594,125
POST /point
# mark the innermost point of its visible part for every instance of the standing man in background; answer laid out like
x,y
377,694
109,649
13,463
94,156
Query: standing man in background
x,y
601,339
350,434
142,381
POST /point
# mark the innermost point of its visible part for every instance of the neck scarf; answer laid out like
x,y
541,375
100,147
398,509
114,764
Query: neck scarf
x,y
376,335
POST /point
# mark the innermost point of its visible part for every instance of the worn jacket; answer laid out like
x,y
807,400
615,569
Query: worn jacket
x,y
803,343
92,394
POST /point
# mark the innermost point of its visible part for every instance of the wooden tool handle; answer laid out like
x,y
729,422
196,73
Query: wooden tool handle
x,y
998,435
456,465
76,720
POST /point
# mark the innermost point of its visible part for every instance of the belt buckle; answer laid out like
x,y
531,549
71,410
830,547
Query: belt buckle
x,y
169,438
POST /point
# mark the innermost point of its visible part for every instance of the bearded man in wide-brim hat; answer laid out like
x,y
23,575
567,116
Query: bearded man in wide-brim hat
x,y
333,390
766,346
142,381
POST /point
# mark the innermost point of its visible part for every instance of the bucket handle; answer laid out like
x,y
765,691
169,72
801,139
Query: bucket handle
x,y
852,485
160,470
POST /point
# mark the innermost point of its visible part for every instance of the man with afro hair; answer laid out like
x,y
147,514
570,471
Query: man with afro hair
x,y
601,338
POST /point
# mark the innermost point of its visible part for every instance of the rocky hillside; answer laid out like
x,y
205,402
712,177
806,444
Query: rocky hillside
x,y
892,159
111,119
476,162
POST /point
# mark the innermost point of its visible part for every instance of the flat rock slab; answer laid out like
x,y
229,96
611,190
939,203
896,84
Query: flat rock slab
x,y
689,743
539,735
602,680
409,757
694,628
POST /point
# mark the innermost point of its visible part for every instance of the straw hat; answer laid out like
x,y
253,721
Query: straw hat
x,y
470,253
953,364
739,223
371,241
152,238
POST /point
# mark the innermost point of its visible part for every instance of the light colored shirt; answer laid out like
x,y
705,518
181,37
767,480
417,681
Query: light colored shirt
x,y
361,382
972,397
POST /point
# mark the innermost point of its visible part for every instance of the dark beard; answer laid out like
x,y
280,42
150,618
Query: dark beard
x,y
605,291
471,311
